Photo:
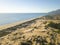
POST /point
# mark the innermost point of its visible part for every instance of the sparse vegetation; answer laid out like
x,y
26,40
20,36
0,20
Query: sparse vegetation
x,y
54,25
26,34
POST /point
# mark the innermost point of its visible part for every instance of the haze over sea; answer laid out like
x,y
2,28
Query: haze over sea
x,y
6,18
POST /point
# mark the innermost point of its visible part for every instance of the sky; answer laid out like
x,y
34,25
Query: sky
x,y
28,6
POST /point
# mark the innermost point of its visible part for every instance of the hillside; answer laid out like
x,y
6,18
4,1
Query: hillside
x,y
54,15
32,32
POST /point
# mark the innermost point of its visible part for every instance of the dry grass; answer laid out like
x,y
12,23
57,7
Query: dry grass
x,y
34,33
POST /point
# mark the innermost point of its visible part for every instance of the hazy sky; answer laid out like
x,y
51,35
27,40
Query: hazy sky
x,y
28,6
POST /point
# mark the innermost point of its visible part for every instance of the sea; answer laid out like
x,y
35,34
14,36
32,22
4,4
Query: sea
x,y
6,18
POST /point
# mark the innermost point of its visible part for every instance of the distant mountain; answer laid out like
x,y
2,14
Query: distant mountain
x,y
55,15
55,12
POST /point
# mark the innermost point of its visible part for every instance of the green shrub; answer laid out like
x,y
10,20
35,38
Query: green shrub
x,y
54,25
26,43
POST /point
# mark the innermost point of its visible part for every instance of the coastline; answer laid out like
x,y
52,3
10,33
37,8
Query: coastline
x,y
15,23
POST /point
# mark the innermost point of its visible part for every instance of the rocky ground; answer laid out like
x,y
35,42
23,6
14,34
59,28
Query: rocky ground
x,y
34,32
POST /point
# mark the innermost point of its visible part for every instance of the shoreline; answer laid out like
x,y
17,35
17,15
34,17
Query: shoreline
x,y
22,22
15,23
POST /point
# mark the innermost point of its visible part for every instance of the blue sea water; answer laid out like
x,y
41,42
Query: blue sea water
x,y
6,18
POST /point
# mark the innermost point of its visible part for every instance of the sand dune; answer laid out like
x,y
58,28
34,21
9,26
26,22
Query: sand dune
x,y
30,32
